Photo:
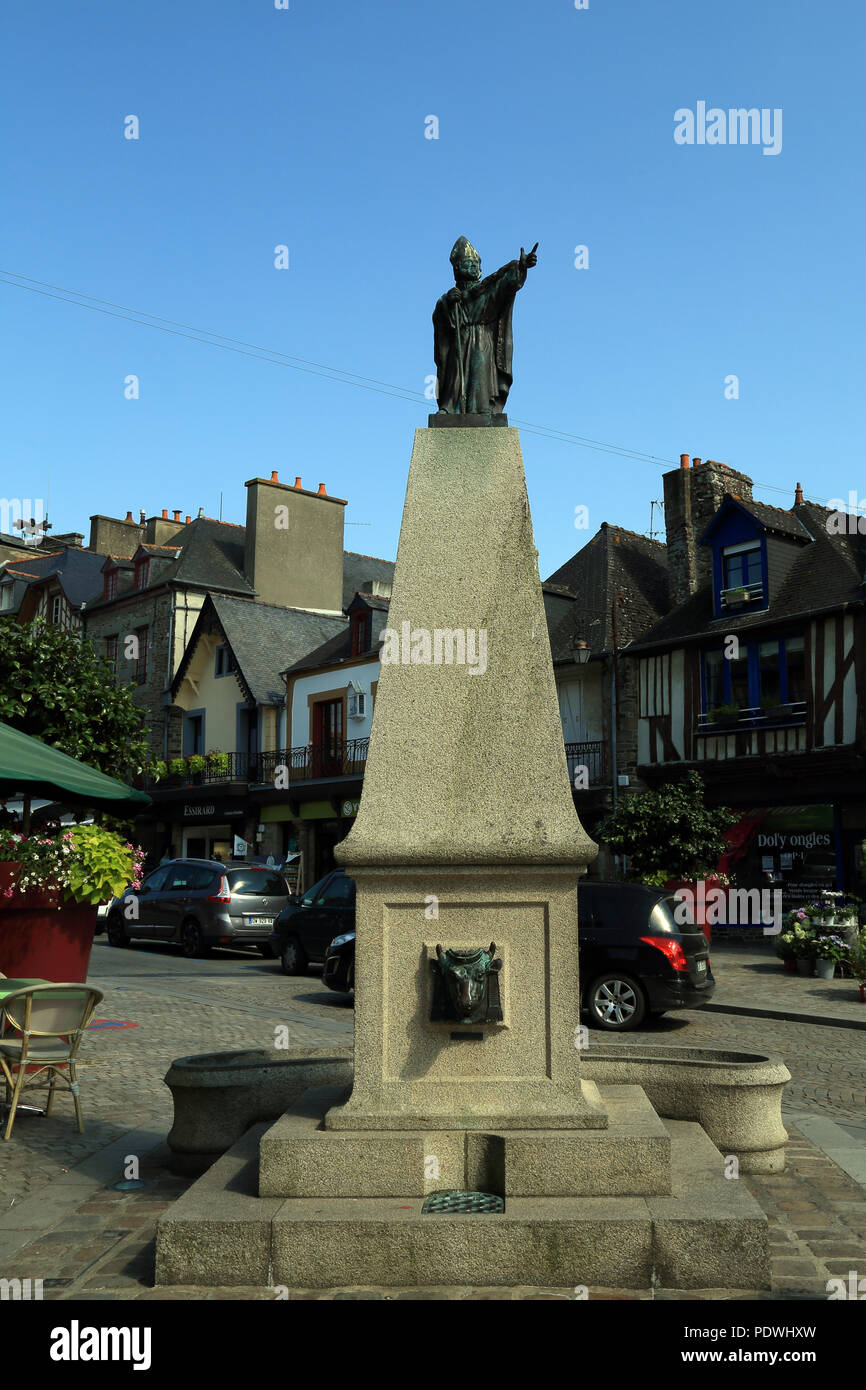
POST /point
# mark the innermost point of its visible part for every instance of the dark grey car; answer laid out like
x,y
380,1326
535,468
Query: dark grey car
x,y
200,903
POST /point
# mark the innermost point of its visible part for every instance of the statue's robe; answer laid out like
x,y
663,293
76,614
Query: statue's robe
x,y
486,344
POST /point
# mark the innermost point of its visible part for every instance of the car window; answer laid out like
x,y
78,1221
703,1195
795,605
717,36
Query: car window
x,y
258,883
341,891
188,878
315,896
154,882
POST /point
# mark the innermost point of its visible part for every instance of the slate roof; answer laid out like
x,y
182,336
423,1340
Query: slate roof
x,y
339,648
827,573
263,638
358,570
212,557
773,518
78,572
615,561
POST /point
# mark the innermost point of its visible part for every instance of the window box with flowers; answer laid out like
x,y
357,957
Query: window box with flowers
x,y
50,888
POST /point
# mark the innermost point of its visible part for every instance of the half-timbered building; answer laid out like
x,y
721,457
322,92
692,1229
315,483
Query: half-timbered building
x,y
756,678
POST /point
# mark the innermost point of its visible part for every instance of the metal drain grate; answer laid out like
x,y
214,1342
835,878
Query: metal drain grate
x,y
472,1203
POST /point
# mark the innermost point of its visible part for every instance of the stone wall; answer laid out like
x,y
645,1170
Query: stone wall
x,y
693,494
152,609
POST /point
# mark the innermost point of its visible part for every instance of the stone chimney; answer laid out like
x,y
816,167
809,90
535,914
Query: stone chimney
x,y
111,536
693,494
160,529
293,548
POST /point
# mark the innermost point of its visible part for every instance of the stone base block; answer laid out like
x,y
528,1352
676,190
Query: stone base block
x,y
299,1158
709,1233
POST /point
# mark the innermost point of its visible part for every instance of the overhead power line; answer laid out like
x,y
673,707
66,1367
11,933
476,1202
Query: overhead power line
x,y
329,373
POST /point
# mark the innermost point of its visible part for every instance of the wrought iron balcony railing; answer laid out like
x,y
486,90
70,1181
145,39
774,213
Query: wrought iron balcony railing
x,y
590,756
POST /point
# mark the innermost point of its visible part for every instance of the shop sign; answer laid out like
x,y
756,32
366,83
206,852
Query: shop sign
x,y
350,808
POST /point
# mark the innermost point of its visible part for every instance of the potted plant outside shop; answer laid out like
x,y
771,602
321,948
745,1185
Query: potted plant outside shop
x,y
784,949
50,888
830,951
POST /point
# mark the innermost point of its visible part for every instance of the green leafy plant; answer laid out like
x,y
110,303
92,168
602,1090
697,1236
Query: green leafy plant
x,y
84,864
55,687
158,770
218,762
195,762
177,767
670,830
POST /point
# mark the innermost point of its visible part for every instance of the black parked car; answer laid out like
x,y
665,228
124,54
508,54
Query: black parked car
x,y
634,958
307,927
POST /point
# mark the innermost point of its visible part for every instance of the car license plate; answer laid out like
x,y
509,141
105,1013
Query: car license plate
x,y
259,922
701,966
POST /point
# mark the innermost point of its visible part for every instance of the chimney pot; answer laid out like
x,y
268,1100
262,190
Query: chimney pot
x,y
684,460
696,463
188,520
322,490
142,517
128,517
297,482
177,514
165,513
275,476
798,496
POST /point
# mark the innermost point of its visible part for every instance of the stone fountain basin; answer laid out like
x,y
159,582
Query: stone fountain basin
x,y
735,1096
218,1095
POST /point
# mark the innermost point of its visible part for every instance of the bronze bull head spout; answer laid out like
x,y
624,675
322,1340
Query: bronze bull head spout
x,y
465,976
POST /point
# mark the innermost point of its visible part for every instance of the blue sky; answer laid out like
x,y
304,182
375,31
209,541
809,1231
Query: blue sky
x,y
306,127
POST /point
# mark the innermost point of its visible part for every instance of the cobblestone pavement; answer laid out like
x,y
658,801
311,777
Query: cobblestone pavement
x,y
62,1220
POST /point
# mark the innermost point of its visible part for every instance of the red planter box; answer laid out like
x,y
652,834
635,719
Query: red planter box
x,y
42,937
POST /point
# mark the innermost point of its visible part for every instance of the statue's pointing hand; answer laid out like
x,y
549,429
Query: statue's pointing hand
x,y
528,261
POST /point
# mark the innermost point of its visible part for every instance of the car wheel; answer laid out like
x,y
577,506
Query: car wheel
x,y
293,959
616,1002
266,950
116,932
192,942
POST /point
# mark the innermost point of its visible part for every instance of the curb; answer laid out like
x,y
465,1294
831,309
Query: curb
x,y
788,1015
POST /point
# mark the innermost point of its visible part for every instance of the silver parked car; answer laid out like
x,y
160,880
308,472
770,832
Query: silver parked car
x,y
200,903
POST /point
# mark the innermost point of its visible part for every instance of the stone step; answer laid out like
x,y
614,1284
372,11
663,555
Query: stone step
x,y
300,1158
709,1233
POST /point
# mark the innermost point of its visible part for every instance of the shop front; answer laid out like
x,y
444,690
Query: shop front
x,y
207,829
320,830
796,849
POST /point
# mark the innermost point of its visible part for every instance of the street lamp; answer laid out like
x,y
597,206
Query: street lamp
x,y
580,650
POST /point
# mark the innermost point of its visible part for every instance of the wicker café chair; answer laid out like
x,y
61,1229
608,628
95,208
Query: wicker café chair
x,y
41,1027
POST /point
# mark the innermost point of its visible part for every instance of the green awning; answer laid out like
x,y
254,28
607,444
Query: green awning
x,y
29,767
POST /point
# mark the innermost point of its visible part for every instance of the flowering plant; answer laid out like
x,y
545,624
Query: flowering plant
x,y
798,941
83,864
831,948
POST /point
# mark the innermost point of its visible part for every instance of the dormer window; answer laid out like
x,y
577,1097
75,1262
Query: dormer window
x,y
360,632
742,576
142,573
110,586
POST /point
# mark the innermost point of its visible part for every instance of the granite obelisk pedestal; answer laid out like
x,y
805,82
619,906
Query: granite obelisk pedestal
x,y
467,831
